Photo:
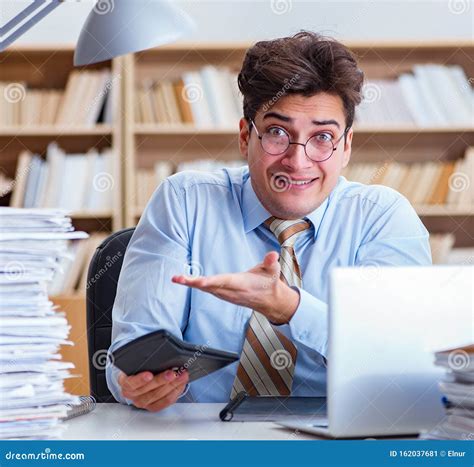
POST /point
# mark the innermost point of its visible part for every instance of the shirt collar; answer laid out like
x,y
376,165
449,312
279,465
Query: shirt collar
x,y
254,213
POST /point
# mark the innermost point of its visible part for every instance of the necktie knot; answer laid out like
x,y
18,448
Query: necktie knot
x,y
287,231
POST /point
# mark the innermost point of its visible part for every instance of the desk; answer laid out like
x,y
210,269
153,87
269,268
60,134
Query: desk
x,y
180,421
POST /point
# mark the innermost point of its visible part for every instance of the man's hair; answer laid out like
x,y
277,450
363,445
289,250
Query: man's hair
x,y
306,63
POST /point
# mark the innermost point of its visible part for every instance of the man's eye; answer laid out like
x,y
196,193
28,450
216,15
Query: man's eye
x,y
324,137
276,131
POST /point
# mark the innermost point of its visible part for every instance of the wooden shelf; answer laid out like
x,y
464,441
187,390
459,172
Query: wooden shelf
x,y
204,46
55,130
454,130
92,215
185,130
440,210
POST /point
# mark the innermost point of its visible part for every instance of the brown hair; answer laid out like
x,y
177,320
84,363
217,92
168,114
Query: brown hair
x,y
306,63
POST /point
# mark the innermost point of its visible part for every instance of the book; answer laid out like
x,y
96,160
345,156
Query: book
x,y
428,95
75,182
185,110
21,176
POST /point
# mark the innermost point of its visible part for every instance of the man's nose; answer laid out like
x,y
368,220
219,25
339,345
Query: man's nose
x,y
295,157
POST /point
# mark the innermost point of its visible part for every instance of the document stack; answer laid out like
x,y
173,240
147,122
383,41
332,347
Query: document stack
x,y
32,395
458,389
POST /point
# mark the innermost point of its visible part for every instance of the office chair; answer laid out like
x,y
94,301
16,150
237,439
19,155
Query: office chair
x,y
102,279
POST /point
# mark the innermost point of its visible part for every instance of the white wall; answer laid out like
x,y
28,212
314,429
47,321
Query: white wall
x,y
258,19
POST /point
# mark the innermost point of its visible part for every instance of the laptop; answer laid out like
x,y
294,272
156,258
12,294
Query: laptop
x,y
384,326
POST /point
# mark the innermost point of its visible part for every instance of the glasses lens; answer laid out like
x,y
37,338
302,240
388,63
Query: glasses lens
x,y
275,142
318,148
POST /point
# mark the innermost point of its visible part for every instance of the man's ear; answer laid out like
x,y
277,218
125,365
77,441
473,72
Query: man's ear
x,y
346,157
244,137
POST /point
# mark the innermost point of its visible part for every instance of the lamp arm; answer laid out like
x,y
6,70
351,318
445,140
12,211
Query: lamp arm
x,y
25,13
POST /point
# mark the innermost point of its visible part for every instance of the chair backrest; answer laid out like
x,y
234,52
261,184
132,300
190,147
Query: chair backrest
x,y
102,279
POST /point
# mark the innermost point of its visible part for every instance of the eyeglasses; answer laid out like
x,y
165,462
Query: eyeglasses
x,y
275,141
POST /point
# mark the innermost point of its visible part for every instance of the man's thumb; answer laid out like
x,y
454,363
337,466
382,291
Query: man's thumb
x,y
271,260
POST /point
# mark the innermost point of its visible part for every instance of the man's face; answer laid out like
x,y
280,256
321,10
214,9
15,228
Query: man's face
x,y
278,180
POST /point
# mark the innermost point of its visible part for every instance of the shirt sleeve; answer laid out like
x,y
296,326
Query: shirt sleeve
x,y
396,238
146,298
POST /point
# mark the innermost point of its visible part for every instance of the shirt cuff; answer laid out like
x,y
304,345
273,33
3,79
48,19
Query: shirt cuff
x,y
309,324
112,374
186,389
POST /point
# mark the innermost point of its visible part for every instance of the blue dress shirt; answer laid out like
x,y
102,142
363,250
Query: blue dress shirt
x,y
212,222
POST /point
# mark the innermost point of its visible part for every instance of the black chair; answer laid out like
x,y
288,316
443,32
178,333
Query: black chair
x,y
102,279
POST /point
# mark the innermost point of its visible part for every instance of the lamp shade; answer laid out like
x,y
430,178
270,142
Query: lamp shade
x,y
118,27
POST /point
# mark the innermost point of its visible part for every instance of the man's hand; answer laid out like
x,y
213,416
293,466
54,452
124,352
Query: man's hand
x,y
260,289
153,393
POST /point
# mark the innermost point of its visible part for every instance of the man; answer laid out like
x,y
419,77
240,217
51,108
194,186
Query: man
x,y
264,238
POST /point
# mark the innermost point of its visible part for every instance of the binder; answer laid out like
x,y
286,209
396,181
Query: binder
x,y
87,404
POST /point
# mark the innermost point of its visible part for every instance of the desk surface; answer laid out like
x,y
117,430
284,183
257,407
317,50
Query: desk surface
x,y
180,421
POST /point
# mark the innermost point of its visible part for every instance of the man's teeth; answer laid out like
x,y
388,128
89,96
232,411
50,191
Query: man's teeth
x,y
300,182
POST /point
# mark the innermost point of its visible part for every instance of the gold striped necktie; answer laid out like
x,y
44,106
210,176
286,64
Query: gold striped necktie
x,y
268,358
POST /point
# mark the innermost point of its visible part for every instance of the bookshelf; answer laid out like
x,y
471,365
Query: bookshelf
x,y
147,143
48,68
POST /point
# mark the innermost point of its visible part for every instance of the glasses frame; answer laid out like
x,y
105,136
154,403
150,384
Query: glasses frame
x,y
334,143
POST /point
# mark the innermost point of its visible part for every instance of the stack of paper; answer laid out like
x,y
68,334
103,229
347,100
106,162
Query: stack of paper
x,y
458,388
32,396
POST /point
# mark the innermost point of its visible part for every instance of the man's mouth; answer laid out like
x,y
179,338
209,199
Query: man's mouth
x,y
284,182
